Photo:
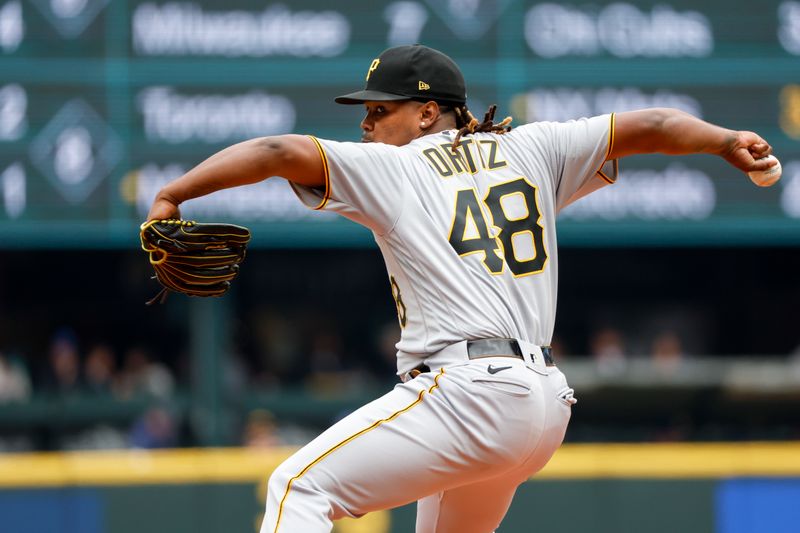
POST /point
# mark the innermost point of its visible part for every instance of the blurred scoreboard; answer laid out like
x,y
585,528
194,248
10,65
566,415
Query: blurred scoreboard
x,y
102,102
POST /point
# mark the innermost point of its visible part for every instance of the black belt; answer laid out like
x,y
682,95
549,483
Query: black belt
x,y
503,348
494,347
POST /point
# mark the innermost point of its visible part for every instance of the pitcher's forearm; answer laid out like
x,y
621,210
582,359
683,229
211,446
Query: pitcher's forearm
x,y
682,133
668,131
674,132
294,157
240,164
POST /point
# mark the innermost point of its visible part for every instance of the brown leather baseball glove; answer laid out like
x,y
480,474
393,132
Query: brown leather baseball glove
x,y
194,258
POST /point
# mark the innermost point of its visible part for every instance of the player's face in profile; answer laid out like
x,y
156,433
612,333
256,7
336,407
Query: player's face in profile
x,y
396,123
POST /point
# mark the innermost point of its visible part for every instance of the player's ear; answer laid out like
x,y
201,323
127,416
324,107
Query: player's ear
x,y
428,113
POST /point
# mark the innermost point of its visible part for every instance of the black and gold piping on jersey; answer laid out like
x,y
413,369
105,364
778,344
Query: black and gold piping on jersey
x,y
447,163
351,438
608,152
326,169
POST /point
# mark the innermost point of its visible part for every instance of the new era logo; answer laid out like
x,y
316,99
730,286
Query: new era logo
x,y
423,86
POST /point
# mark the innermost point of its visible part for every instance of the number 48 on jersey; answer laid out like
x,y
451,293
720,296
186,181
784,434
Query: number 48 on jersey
x,y
470,231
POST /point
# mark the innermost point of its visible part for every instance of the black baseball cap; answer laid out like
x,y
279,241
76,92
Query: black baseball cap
x,y
411,72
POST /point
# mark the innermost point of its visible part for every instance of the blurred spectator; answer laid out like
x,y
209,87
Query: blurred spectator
x,y
142,376
15,384
326,369
559,349
794,366
328,372
260,430
63,373
278,344
608,351
235,373
99,437
98,370
16,443
154,429
667,353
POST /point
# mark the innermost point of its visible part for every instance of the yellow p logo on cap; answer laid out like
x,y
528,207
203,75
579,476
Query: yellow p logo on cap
x,y
423,86
372,67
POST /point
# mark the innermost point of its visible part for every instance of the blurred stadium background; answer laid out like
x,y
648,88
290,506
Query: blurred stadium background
x,y
678,318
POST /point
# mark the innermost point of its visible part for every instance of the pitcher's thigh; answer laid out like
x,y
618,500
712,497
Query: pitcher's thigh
x,y
474,508
388,453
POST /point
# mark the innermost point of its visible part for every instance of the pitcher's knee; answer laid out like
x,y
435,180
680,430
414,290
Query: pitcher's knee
x,y
289,487
295,502
279,483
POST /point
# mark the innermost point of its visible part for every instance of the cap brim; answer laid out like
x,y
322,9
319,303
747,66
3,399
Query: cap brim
x,y
359,97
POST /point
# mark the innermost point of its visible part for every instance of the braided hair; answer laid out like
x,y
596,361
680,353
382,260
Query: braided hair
x,y
467,123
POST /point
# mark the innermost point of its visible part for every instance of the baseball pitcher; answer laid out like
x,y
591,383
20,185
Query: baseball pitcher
x,y
464,214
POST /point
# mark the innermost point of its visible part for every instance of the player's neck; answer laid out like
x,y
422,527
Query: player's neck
x,y
442,123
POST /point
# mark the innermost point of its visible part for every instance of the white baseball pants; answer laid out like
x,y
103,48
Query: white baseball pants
x,y
458,440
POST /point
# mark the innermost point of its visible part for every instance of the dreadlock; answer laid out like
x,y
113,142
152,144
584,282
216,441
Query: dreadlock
x,y
467,123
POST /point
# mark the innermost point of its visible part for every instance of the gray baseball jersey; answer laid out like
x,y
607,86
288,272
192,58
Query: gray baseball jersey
x,y
468,237
470,247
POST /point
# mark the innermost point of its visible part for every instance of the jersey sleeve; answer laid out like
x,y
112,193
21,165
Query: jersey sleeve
x,y
575,153
364,182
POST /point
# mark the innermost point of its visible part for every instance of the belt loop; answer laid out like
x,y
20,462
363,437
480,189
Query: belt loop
x,y
532,353
450,354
